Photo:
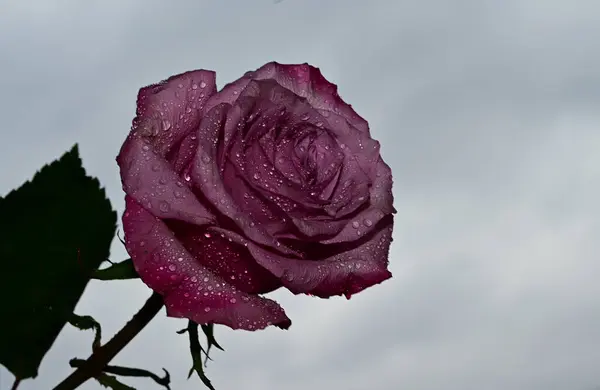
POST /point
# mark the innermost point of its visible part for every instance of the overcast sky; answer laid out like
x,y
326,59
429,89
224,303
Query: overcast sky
x,y
487,112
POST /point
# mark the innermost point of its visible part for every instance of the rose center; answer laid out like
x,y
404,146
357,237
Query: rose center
x,y
316,156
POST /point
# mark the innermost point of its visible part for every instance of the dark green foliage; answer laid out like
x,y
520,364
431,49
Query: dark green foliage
x,y
55,231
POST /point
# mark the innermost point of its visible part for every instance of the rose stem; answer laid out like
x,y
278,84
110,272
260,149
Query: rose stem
x,y
100,358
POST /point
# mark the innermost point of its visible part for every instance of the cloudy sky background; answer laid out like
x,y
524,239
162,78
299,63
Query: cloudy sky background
x,y
487,112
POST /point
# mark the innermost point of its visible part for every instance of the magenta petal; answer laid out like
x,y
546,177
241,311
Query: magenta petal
x,y
345,273
381,202
189,289
229,93
207,178
227,259
308,81
167,111
149,179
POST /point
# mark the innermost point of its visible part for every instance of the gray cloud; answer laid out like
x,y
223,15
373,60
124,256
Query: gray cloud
x,y
487,114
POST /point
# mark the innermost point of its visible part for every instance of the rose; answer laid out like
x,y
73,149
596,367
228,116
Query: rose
x,y
272,181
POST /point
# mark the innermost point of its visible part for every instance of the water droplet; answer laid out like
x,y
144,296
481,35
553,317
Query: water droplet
x,y
164,206
256,176
178,194
207,235
172,267
355,224
304,117
187,177
205,158
202,84
207,309
194,86
233,300
145,148
205,279
166,125
368,222
180,259
180,85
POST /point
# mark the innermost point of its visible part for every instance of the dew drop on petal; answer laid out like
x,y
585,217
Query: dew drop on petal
x,y
355,224
164,206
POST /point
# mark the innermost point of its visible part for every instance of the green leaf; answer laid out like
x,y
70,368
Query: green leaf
x,y
85,323
117,271
56,230
112,382
129,371
196,350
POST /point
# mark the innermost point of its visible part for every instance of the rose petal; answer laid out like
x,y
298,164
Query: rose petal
x,y
225,258
207,178
348,272
167,111
190,290
149,179
308,81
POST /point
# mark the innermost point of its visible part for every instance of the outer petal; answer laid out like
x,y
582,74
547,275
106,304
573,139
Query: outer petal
x,y
169,110
348,272
149,179
229,260
190,290
381,202
230,92
307,81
